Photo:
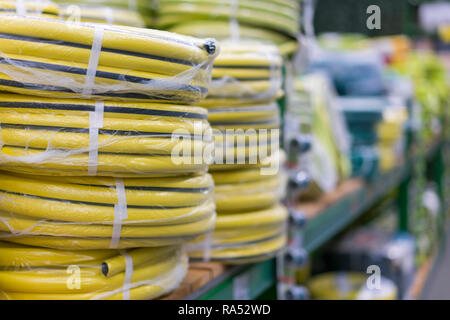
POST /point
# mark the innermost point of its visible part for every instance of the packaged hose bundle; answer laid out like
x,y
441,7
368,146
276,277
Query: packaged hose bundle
x,y
38,8
32,273
62,59
244,117
101,14
275,21
251,222
134,5
245,73
244,237
246,190
101,213
105,138
350,286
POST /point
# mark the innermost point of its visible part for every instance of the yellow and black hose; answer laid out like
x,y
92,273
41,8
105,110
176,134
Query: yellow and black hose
x,y
80,212
32,273
244,237
51,58
271,21
53,136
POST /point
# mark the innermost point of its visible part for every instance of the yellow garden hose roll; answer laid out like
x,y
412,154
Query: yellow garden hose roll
x,y
270,21
246,190
124,4
244,237
281,16
222,30
32,273
95,213
60,59
350,286
245,71
56,135
101,14
45,9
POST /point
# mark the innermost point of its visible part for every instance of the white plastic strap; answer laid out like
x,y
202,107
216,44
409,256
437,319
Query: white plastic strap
x,y
20,8
120,213
95,123
207,247
234,24
132,4
109,15
128,275
93,60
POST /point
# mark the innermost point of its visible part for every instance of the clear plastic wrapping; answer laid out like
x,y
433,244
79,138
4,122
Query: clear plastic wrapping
x,y
37,8
32,273
81,137
244,237
251,222
61,59
269,20
100,14
99,213
246,190
245,72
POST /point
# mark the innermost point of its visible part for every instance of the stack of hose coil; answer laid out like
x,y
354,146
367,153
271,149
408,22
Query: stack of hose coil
x,y
89,274
53,137
53,58
96,199
243,112
274,21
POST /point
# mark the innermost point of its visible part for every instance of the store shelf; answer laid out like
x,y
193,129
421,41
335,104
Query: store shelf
x,y
353,202
347,209
326,218
212,281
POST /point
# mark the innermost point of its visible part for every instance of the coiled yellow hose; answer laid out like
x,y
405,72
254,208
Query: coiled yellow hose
x,y
80,212
44,9
247,72
53,135
244,237
271,21
101,14
51,58
222,32
31,273
234,194
349,286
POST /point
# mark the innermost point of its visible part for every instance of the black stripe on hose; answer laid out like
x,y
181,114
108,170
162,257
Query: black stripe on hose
x,y
83,46
98,204
100,153
101,74
247,67
109,109
252,242
101,131
127,95
244,123
30,11
146,188
267,79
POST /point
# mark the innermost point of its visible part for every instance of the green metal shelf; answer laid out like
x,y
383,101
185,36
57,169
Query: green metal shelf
x,y
251,281
337,217
247,282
